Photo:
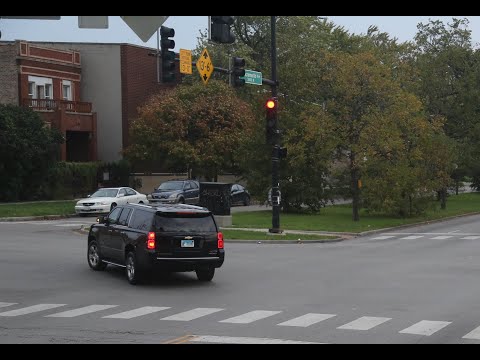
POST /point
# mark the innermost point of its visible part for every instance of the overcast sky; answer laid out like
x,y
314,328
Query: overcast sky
x,y
187,29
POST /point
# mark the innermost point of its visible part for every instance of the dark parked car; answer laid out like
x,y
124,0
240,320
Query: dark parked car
x,y
145,239
239,195
177,192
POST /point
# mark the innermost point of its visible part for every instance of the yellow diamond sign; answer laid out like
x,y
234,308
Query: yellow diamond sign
x,y
205,66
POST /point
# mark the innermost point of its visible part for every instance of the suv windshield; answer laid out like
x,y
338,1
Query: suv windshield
x,y
105,193
171,185
176,222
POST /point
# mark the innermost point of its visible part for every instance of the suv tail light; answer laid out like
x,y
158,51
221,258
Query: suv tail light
x,y
220,240
151,241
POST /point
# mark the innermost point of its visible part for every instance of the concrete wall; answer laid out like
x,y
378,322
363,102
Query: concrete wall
x,y
101,85
8,74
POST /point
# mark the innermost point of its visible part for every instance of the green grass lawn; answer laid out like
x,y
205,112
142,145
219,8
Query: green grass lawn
x,y
37,208
258,235
338,218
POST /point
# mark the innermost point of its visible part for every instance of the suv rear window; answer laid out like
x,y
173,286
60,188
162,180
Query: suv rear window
x,y
175,222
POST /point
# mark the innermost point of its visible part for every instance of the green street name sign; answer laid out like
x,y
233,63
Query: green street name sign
x,y
252,77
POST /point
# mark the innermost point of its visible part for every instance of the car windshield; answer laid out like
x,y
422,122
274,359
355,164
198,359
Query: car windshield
x,y
105,193
171,185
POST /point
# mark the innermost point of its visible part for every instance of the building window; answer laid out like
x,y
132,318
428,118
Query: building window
x,y
67,90
48,91
31,90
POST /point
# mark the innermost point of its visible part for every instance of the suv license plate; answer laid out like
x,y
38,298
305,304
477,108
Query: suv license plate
x,y
187,243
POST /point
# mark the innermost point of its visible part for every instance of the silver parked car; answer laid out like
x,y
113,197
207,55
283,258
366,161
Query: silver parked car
x,y
104,200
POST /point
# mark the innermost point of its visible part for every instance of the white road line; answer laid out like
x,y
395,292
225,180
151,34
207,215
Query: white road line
x,y
364,323
411,237
425,327
383,237
245,340
474,334
471,238
4,304
307,320
250,317
81,311
443,237
31,309
192,314
136,312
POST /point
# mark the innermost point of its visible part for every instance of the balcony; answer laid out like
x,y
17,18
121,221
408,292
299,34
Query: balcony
x,y
49,104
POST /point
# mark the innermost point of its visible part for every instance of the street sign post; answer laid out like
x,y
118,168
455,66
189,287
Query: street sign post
x,y
186,61
252,77
205,66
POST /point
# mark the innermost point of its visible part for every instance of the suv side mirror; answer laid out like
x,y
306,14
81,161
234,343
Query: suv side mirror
x,y
102,219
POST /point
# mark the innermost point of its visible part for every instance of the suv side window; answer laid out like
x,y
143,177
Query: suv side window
x,y
114,214
194,185
141,220
186,186
123,219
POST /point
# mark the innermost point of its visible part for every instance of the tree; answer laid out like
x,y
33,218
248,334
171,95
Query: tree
x,y
28,149
193,127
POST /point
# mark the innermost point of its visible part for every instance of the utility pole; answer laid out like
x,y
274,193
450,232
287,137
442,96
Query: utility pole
x,y
276,138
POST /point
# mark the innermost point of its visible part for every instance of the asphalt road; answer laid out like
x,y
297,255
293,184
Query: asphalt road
x,y
417,285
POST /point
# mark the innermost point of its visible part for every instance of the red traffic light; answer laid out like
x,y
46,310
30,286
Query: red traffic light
x,y
270,104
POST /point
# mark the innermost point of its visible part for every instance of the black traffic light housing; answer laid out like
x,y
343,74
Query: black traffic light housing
x,y
168,57
238,71
271,120
219,29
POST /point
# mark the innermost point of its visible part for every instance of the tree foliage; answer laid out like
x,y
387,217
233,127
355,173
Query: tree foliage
x,y
193,127
28,149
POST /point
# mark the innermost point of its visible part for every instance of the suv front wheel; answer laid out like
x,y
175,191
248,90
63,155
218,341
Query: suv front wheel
x,y
205,274
93,256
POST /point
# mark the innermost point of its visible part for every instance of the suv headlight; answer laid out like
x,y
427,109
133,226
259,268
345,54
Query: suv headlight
x,y
174,195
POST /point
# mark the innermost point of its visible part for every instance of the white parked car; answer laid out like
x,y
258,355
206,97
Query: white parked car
x,y
105,199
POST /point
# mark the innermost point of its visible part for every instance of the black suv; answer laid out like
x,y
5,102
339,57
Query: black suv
x,y
146,238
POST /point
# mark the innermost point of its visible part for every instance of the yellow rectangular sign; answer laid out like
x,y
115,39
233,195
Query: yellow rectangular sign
x,y
186,61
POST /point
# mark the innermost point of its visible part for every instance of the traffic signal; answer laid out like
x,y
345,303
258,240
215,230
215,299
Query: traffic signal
x,y
168,57
238,71
271,117
219,29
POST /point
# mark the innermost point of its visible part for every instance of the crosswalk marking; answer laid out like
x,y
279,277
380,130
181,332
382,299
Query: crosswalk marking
x,y
244,340
474,334
411,237
31,309
307,320
425,327
81,311
4,304
364,323
250,317
383,237
443,237
192,314
471,238
136,312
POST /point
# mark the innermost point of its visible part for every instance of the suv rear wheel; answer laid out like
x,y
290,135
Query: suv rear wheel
x,y
94,259
132,270
205,274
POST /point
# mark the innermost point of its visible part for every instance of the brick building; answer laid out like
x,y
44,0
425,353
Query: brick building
x,y
112,80
48,81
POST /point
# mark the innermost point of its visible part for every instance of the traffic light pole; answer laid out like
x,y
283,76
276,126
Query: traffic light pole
x,y
276,139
